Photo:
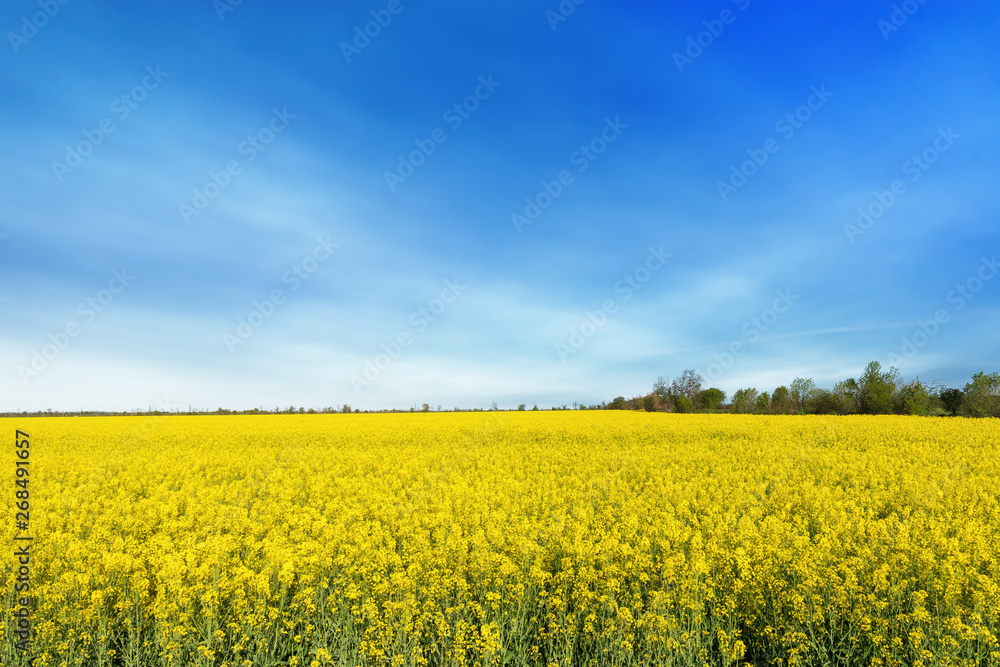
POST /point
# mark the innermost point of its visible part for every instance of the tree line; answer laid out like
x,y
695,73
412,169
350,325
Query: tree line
x,y
876,392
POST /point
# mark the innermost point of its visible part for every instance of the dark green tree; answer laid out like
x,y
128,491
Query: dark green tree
x,y
681,403
745,401
913,398
846,395
763,403
711,398
688,384
661,389
824,402
952,400
982,395
781,401
877,390
801,391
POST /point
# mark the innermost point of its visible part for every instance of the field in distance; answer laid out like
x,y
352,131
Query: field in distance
x,y
509,538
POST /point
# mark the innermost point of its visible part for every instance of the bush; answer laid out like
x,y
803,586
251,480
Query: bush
x,y
877,390
682,403
824,402
711,398
763,403
781,401
913,399
982,395
952,400
745,401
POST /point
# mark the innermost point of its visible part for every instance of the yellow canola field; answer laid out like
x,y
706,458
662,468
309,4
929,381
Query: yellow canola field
x,y
532,538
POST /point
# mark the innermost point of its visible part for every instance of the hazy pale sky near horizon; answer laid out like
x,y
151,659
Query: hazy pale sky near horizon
x,y
397,202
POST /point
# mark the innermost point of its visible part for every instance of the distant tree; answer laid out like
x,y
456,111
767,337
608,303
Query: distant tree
x,y
763,403
346,409
660,389
649,403
745,401
801,390
877,389
952,400
781,401
846,395
689,384
617,404
711,398
982,395
681,404
425,407
823,402
913,398
521,407
535,408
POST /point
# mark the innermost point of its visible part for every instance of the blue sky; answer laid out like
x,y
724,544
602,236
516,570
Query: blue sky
x,y
261,205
